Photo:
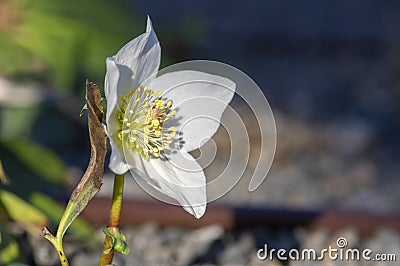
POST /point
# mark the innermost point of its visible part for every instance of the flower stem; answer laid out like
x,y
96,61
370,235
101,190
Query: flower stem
x,y
57,243
115,214
63,258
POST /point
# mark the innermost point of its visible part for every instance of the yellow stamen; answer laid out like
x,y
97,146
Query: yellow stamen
x,y
142,125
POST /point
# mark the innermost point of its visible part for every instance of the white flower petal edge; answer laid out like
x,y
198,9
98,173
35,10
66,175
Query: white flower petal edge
x,y
117,163
200,99
135,64
180,177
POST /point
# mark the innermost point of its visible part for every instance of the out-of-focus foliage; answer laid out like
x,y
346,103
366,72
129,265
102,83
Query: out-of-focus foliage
x,y
9,250
3,176
61,41
17,122
56,45
51,47
36,210
27,216
14,58
33,156
20,211
30,167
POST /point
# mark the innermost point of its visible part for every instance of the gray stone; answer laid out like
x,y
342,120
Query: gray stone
x,y
384,241
197,242
44,253
316,239
237,253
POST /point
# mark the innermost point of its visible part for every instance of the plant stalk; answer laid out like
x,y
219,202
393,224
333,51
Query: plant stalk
x,y
115,215
62,256
57,243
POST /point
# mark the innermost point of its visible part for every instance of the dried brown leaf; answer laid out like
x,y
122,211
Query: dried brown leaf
x,y
98,144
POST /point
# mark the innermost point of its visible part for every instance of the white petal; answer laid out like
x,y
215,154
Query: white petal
x,y
111,93
137,62
117,164
180,177
199,99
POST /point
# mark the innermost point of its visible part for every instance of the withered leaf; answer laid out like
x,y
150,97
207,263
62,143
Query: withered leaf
x,y
95,170
92,179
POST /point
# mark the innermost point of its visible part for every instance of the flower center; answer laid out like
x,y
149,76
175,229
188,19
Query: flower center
x,y
142,116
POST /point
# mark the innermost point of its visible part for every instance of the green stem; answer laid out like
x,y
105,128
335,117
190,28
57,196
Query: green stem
x,y
57,243
62,256
115,215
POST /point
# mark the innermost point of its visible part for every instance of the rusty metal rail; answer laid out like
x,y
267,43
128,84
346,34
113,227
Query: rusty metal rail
x,y
136,212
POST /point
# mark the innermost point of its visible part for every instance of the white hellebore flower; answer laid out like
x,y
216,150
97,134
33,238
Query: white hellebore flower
x,y
154,122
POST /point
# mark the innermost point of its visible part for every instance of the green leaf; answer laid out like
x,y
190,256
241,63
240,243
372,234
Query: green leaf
x,y
13,57
46,32
39,160
3,177
22,212
17,122
79,229
9,250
